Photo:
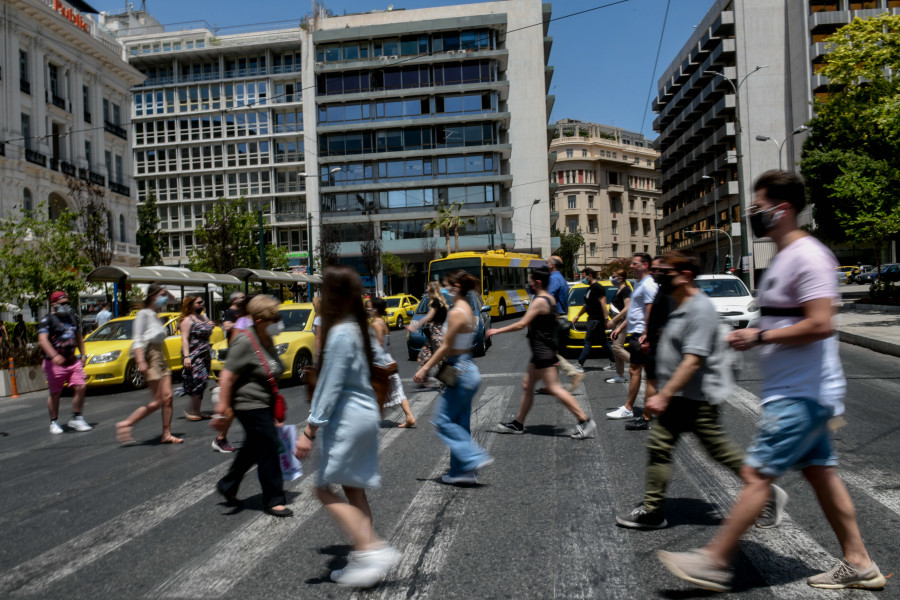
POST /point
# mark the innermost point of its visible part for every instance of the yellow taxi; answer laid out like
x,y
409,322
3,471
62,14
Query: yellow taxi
x,y
400,309
844,272
110,359
577,292
294,346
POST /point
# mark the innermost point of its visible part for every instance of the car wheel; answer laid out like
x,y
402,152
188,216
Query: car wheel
x,y
481,348
501,309
133,376
412,355
301,361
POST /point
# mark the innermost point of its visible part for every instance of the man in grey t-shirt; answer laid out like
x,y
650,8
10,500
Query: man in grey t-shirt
x,y
693,376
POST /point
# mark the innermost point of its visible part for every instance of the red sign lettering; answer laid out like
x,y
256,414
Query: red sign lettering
x,y
70,15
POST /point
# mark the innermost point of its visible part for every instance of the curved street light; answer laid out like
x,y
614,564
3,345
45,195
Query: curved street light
x,y
765,138
530,231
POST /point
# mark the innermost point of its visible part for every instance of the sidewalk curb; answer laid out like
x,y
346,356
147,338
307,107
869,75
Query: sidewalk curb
x,y
881,346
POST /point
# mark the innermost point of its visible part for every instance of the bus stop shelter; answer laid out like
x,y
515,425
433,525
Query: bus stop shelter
x,y
279,278
122,277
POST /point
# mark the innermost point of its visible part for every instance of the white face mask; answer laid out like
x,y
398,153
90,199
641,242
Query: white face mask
x,y
451,291
274,329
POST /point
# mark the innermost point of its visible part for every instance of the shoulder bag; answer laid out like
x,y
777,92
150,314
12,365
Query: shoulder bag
x,y
280,405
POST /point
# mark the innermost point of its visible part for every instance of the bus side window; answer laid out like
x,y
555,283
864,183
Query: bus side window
x,y
487,280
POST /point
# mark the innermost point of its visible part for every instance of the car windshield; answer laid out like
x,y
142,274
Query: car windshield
x,y
294,319
112,330
576,296
392,302
722,288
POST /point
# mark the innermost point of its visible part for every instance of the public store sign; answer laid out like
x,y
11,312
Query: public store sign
x,y
70,14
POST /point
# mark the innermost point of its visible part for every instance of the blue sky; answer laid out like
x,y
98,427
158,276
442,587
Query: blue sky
x,y
604,59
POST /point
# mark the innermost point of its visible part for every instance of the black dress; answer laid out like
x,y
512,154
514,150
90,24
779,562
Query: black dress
x,y
541,337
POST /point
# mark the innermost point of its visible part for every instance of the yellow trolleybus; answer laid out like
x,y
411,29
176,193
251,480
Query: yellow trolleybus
x,y
502,276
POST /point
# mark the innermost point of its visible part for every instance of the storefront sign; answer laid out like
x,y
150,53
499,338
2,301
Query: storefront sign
x,y
71,15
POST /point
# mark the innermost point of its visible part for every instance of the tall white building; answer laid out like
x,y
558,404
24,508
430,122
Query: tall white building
x,y
65,90
353,122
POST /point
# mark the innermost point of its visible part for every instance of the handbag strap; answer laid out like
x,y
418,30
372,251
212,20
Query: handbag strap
x,y
262,359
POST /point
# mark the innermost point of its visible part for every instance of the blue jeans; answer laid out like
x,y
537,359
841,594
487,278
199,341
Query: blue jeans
x,y
453,416
592,330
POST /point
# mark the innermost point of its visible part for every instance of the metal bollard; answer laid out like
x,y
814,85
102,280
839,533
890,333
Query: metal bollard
x,y
12,378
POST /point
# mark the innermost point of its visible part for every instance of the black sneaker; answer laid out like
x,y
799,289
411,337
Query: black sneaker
x,y
639,424
511,427
641,519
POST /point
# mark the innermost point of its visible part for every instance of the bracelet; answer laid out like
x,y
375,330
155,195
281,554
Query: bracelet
x,y
311,437
759,335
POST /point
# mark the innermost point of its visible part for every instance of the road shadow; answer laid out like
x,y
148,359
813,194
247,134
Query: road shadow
x,y
546,431
691,511
338,554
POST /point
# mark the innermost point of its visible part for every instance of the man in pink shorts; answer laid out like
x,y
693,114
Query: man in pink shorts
x,y
59,336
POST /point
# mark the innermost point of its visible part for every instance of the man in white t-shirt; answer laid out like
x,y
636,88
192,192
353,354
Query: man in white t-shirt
x,y
803,387
635,325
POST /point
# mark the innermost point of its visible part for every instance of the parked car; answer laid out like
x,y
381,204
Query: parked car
x,y
889,272
109,357
854,275
866,276
400,309
294,346
577,292
416,339
843,272
733,301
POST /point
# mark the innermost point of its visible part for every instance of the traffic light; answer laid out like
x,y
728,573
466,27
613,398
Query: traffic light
x,y
728,262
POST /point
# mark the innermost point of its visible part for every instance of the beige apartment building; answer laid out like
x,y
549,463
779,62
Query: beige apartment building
x,y
606,186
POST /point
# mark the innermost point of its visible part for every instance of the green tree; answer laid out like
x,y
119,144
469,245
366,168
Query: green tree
x,y
442,222
457,221
93,219
229,239
620,263
396,266
851,159
370,249
569,245
39,255
149,239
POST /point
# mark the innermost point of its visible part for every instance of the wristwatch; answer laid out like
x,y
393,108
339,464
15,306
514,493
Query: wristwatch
x,y
759,335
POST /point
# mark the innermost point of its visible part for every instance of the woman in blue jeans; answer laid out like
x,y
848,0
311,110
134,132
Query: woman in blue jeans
x,y
454,409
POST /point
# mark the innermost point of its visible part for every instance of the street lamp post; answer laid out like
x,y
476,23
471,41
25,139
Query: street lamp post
x,y
493,226
730,239
715,220
309,239
745,229
530,231
765,138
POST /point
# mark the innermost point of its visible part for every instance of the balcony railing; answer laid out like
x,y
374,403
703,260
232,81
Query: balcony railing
x,y
288,127
25,86
96,178
119,188
115,130
287,157
54,163
57,101
87,116
2,149
281,188
124,249
279,69
35,157
67,168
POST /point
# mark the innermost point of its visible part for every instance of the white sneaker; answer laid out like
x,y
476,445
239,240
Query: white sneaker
x,y
578,368
79,424
620,413
610,367
366,567
55,427
616,379
585,430
464,479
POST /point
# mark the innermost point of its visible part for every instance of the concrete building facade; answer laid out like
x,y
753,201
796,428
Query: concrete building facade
x,y
606,187
65,90
362,124
748,70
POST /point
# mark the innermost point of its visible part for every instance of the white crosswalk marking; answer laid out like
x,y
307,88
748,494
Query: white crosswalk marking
x,y
232,559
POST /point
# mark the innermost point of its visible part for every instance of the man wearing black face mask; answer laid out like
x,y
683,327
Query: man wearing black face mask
x,y
59,336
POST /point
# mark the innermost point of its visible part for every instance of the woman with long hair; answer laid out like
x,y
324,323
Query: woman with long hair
x,y
377,309
432,325
620,302
453,415
148,335
195,352
345,415
540,319
245,390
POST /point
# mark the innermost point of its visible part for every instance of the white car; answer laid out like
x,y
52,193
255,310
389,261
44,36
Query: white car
x,y
735,305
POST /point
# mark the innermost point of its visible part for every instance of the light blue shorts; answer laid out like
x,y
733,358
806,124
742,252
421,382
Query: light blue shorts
x,y
793,433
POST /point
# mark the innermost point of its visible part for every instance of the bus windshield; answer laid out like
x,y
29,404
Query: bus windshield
x,y
441,268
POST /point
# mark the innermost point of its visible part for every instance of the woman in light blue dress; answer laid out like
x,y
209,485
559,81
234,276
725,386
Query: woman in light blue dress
x,y
346,416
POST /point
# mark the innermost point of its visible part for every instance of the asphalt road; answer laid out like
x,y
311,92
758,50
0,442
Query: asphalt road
x,y
81,517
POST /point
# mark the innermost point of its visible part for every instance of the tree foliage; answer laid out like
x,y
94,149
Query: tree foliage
x,y
93,219
39,255
149,239
441,222
370,248
397,267
851,159
328,250
229,239
570,244
620,263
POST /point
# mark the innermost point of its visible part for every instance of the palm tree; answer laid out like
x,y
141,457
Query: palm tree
x,y
442,222
457,221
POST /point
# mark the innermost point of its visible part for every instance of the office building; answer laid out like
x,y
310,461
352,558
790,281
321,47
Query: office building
x,y
65,90
606,188
748,70
362,124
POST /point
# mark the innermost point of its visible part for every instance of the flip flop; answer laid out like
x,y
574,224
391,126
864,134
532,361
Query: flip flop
x,y
171,440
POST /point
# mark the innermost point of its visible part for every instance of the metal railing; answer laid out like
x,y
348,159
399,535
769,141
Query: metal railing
x,y
87,116
115,130
57,101
67,168
25,86
119,188
33,156
286,157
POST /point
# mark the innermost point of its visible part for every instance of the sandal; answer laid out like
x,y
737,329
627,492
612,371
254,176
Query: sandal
x,y
123,434
171,440
192,417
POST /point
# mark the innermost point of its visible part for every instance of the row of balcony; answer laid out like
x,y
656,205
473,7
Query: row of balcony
x,y
67,168
692,156
725,49
689,113
115,129
216,75
710,200
719,112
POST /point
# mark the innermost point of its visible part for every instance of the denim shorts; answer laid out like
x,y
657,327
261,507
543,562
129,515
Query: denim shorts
x,y
793,433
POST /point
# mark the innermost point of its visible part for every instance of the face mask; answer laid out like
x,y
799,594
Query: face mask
x,y
274,329
529,290
585,281
764,221
451,291
665,283
160,301
64,310
198,309
615,281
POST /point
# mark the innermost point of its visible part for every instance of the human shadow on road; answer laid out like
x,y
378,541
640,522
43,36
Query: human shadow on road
x,y
547,430
691,511
339,554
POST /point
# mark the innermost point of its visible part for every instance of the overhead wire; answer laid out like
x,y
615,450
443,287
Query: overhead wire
x,y
655,66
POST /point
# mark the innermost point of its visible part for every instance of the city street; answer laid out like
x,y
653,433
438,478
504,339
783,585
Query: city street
x,y
83,518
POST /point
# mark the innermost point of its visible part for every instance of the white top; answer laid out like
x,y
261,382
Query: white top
x,y
464,339
642,295
801,272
